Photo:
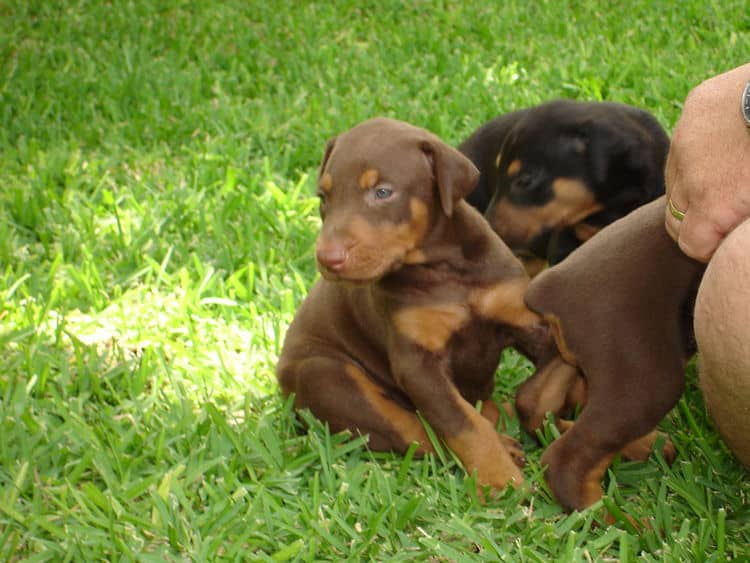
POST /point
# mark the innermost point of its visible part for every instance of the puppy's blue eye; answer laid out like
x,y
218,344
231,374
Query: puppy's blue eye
x,y
383,193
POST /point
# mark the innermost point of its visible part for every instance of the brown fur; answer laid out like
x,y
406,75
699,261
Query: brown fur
x,y
417,301
622,304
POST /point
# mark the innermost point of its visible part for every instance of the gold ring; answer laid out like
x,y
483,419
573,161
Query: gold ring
x,y
676,213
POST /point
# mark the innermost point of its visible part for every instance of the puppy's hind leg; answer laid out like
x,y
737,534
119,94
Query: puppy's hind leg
x,y
622,407
551,389
343,395
557,388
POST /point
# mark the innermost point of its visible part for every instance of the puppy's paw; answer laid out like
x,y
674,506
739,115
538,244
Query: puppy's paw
x,y
640,449
513,447
498,466
668,451
573,475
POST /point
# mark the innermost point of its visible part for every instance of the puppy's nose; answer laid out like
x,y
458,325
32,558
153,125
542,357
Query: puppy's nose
x,y
331,256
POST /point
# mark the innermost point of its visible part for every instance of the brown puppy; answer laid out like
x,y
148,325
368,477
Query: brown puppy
x,y
417,301
621,310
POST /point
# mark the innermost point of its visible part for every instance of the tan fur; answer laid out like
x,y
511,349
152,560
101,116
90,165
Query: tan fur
x,y
368,179
572,203
326,182
406,423
584,231
553,321
481,450
381,245
503,302
431,327
641,448
546,392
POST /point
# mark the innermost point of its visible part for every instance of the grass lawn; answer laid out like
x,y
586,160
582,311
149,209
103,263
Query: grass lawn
x,y
157,162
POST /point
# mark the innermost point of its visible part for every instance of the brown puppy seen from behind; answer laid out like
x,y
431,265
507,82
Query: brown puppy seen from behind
x,y
621,310
418,298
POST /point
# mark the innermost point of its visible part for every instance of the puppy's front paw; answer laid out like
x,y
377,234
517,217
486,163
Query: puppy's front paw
x,y
498,465
513,447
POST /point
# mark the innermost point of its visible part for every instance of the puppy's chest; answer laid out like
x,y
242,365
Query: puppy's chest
x,y
474,353
453,318
470,343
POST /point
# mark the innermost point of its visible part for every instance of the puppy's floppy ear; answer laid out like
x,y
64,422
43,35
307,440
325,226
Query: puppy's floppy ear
x,y
615,150
326,155
455,175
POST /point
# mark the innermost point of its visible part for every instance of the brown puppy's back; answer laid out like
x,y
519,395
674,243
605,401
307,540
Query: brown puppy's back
x,y
630,285
621,308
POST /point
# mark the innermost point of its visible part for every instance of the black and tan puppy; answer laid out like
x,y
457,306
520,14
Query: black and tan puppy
x,y
553,175
621,310
418,298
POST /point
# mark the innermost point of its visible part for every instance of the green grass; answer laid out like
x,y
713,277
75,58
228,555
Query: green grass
x,y
156,225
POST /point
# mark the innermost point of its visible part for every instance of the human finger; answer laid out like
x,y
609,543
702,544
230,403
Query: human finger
x,y
674,214
698,237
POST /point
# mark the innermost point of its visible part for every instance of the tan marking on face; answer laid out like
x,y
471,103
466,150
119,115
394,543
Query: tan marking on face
x,y
326,182
504,302
480,449
575,200
555,327
584,231
405,423
379,247
498,159
419,218
514,168
431,327
517,224
401,237
368,179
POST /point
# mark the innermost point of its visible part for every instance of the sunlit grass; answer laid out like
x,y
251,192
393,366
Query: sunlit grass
x,y
157,163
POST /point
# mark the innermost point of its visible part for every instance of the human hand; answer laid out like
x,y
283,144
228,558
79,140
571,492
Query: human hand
x,y
707,172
